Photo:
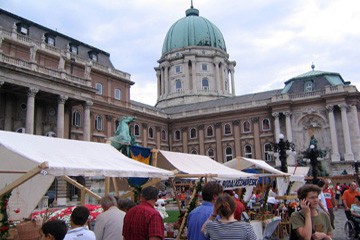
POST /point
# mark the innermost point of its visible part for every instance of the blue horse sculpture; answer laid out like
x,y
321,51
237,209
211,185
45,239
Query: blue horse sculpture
x,y
123,138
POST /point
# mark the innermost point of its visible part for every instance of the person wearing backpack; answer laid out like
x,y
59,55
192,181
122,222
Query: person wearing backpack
x,y
308,223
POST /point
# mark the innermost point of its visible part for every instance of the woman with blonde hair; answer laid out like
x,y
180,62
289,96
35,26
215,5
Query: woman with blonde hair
x,y
226,226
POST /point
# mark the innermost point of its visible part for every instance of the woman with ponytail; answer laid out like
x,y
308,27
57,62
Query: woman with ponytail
x,y
225,226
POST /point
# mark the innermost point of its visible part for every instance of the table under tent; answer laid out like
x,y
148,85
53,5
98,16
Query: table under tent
x,y
193,166
287,184
30,163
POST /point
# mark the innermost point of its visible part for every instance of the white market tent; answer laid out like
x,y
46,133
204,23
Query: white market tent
x,y
22,154
241,163
194,164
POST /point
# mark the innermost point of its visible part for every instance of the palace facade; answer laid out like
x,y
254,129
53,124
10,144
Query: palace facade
x,y
57,86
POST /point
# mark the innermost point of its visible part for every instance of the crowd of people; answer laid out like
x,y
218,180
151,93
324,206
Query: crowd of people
x,y
217,217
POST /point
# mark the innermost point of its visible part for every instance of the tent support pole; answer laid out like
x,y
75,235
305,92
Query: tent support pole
x,y
24,178
155,157
116,186
181,229
175,192
107,185
149,183
81,187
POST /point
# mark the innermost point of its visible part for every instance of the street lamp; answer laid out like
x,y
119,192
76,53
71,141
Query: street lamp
x,y
313,155
281,147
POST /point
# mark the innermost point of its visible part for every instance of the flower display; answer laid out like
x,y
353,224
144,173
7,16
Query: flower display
x,y
65,213
4,223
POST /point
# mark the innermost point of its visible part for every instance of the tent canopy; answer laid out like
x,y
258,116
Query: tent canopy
x,y
197,165
22,152
241,163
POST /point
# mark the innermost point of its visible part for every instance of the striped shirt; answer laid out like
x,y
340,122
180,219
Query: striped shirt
x,y
216,230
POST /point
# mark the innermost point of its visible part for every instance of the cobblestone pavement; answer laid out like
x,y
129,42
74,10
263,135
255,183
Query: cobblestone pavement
x,y
340,220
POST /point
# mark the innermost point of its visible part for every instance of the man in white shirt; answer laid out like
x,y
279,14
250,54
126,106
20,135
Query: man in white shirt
x,y
79,230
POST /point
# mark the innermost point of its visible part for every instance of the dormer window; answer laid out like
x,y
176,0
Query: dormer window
x,y
22,28
74,48
93,56
50,39
309,86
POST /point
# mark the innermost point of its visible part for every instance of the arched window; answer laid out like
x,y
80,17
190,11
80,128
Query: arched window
x,y
246,127
193,133
266,124
194,151
177,135
248,151
211,153
117,93
209,131
178,85
76,119
267,150
163,135
99,123
227,129
228,154
205,84
136,130
151,132
99,88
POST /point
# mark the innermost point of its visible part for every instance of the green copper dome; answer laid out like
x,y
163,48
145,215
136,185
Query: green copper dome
x,y
193,30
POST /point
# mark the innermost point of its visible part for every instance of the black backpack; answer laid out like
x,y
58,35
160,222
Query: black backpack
x,y
293,234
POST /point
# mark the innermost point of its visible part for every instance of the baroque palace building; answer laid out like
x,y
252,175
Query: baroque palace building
x,y
57,86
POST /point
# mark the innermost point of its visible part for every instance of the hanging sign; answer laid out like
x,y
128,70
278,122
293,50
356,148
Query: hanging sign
x,y
238,183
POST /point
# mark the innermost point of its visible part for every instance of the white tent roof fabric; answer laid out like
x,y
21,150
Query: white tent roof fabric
x,y
241,163
22,152
197,164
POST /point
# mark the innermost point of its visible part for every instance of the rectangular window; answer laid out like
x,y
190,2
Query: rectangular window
x,y
74,50
50,41
178,69
99,88
204,67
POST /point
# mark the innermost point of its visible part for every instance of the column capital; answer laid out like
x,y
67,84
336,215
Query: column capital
x,y
32,92
88,103
330,108
62,99
108,117
275,114
144,125
236,122
218,125
255,119
287,114
200,127
343,106
184,129
158,128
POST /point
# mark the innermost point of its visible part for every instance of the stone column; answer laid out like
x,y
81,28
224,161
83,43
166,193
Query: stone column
x,y
217,77
194,78
349,156
60,116
166,79
219,151
87,120
184,132
277,125
201,139
145,135
335,156
356,132
288,126
30,109
158,77
162,82
257,145
236,126
158,137
232,71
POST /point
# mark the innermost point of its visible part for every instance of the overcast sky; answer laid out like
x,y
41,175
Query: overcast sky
x,y
270,40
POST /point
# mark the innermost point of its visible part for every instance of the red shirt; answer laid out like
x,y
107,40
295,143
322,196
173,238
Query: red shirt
x,y
239,209
329,194
142,222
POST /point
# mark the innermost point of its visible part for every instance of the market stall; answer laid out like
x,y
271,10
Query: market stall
x,y
29,164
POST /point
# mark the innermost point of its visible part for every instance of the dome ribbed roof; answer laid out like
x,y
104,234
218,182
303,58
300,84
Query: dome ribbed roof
x,y
193,30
